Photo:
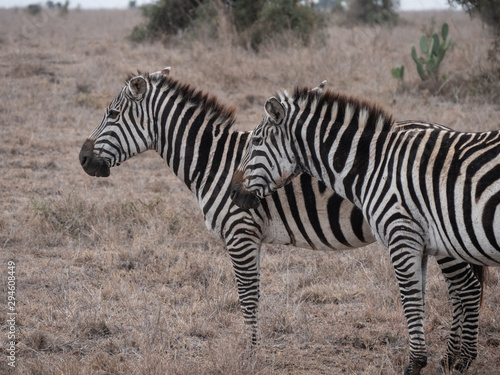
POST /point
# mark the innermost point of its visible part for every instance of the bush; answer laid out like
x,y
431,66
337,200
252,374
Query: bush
x,y
255,20
246,13
34,9
278,16
488,10
282,15
373,11
166,17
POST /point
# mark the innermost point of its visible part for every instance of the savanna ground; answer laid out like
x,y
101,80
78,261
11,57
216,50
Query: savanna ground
x,y
120,276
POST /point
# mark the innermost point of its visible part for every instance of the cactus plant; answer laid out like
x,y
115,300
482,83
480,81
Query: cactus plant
x,y
434,51
398,72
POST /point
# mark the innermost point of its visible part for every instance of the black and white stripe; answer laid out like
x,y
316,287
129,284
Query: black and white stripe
x,y
194,134
424,190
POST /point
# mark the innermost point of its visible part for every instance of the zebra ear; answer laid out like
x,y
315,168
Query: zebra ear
x,y
137,87
275,110
166,71
319,89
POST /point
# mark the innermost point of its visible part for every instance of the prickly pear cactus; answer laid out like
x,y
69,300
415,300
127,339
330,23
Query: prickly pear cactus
x,y
398,72
433,51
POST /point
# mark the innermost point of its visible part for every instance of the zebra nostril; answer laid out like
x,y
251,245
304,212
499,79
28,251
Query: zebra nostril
x,y
83,161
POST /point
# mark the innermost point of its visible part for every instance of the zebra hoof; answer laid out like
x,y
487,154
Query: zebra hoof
x,y
446,364
462,366
416,366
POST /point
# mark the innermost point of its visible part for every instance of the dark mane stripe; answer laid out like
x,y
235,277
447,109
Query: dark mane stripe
x,y
328,96
226,115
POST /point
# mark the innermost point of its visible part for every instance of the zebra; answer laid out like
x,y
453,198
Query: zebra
x,y
424,190
193,132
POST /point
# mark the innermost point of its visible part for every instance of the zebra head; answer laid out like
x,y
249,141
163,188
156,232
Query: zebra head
x,y
124,130
269,161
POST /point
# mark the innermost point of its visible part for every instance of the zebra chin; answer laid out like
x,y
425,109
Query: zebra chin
x,y
244,199
92,165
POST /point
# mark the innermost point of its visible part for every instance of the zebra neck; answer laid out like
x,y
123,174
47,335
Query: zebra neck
x,y
343,158
196,146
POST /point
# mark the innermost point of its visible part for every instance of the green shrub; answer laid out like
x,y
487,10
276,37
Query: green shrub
x,y
488,10
207,19
398,73
277,17
246,13
34,9
280,15
373,11
166,17
257,19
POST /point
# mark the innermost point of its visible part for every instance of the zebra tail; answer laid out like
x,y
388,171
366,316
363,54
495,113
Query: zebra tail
x,y
481,273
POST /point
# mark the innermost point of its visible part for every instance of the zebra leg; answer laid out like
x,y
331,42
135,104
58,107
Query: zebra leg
x,y
245,256
465,292
410,265
470,296
425,258
455,340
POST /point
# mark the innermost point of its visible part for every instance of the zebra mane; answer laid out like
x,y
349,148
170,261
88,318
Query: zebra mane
x,y
305,98
210,103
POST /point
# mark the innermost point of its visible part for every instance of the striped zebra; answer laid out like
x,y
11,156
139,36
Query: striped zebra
x,y
424,190
193,133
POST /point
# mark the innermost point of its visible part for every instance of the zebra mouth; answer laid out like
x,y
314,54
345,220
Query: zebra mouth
x,y
92,164
245,199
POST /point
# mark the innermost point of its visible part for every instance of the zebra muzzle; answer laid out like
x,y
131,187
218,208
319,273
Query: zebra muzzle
x,y
244,199
92,164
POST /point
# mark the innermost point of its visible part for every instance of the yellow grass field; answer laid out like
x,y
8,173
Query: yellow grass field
x,y
120,275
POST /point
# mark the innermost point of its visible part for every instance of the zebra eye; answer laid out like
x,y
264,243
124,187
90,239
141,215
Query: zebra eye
x,y
256,141
113,113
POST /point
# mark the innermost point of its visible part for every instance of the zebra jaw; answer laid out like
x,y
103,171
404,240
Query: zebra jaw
x,y
92,164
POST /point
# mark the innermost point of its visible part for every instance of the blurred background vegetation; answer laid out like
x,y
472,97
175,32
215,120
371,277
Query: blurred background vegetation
x,y
288,23
285,22
253,21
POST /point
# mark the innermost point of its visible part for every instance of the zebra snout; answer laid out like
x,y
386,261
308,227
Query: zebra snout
x,y
243,198
233,193
84,161
92,165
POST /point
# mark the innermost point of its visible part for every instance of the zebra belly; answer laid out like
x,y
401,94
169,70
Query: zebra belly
x,y
472,246
301,215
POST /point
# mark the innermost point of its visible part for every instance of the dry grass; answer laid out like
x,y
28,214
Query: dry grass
x,y
118,276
